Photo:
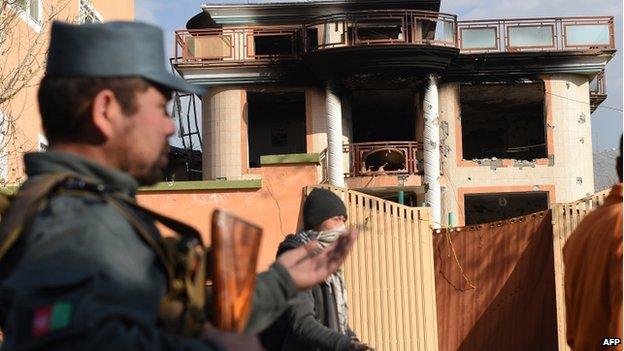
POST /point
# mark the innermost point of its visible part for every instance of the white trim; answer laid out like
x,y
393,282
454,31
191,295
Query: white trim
x,y
4,157
24,14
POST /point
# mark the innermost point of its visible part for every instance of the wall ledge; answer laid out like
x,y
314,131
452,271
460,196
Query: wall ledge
x,y
9,190
203,185
268,160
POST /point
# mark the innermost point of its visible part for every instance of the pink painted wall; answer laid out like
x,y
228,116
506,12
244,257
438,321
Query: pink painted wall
x,y
275,207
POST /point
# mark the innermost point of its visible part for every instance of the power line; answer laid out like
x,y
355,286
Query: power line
x,y
585,103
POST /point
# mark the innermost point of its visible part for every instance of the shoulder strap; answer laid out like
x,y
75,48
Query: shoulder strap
x,y
27,201
5,202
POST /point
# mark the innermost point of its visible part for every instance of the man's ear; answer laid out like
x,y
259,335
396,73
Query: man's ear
x,y
105,113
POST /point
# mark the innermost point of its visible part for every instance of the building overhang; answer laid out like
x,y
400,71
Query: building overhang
x,y
522,64
294,73
402,59
296,12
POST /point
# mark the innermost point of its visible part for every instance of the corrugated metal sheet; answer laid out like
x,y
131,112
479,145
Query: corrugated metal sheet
x,y
389,274
495,286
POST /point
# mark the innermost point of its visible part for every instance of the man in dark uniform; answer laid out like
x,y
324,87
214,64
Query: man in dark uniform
x,y
79,276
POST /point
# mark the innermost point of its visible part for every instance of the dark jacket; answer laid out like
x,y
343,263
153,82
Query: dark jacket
x,y
81,279
311,321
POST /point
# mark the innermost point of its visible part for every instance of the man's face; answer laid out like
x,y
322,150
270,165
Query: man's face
x,y
144,137
336,222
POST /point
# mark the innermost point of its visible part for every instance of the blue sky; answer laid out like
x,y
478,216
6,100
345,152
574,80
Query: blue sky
x,y
606,124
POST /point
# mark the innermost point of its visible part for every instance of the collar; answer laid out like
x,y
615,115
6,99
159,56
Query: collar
x,y
40,163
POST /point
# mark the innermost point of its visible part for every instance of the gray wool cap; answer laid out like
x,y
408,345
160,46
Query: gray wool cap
x,y
113,49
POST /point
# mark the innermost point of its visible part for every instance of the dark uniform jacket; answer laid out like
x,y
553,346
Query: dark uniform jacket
x,y
81,278
311,322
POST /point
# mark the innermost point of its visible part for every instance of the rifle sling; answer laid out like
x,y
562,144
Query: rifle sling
x,y
30,198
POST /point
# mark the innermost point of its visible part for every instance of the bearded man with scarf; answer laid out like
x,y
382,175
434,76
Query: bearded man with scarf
x,y
318,319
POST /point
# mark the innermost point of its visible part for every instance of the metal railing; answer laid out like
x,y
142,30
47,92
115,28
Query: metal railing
x,y
267,44
383,158
381,27
536,34
235,45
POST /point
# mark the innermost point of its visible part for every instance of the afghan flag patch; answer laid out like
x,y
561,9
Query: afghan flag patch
x,y
50,318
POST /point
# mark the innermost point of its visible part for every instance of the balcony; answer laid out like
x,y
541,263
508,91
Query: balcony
x,y
234,46
373,28
383,158
404,42
536,34
597,90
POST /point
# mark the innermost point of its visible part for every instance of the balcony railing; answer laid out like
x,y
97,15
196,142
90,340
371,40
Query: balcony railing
x,y
383,158
237,45
232,46
365,28
536,34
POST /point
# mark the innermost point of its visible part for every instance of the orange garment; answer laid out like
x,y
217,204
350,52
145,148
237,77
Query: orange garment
x,y
593,277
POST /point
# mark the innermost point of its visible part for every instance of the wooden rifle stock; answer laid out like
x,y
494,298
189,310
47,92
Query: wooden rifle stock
x,y
235,246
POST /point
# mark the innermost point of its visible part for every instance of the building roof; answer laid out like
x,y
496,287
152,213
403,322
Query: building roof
x,y
295,12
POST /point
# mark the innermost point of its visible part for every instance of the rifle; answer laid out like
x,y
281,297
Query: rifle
x,y
235,247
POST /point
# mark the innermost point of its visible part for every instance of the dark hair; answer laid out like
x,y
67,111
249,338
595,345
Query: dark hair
x,y
66,102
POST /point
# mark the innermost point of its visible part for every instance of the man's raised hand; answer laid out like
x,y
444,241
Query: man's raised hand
x,y
309,265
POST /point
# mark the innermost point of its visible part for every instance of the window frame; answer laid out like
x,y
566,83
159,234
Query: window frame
x,y
89,6
24,14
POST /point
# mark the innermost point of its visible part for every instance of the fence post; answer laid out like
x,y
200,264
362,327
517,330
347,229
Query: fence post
x,y
559,235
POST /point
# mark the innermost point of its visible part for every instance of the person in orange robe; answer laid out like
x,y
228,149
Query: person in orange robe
x,y
593,276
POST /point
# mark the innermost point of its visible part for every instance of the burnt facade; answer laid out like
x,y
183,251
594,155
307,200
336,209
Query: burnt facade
x,y
402,101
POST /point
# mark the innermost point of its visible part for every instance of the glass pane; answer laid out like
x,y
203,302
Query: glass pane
x,y
445,32
478,38
34,9
330,33
531,36
593,85
210,47
578,35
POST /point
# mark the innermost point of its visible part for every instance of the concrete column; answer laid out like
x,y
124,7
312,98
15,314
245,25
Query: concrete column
x,y
335,167
431,141
223,111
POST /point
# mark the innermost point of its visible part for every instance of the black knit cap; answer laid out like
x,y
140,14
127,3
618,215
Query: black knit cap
x,y
321,205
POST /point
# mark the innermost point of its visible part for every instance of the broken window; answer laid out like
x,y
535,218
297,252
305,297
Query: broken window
x,y
184,165
383,115
276,124
272,45
379,30
485,208
505,121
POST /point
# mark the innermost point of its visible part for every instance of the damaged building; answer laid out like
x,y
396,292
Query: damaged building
x,y
480,120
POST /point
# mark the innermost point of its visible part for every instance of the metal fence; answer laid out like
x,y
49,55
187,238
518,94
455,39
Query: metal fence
x,y
390,274
565,218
